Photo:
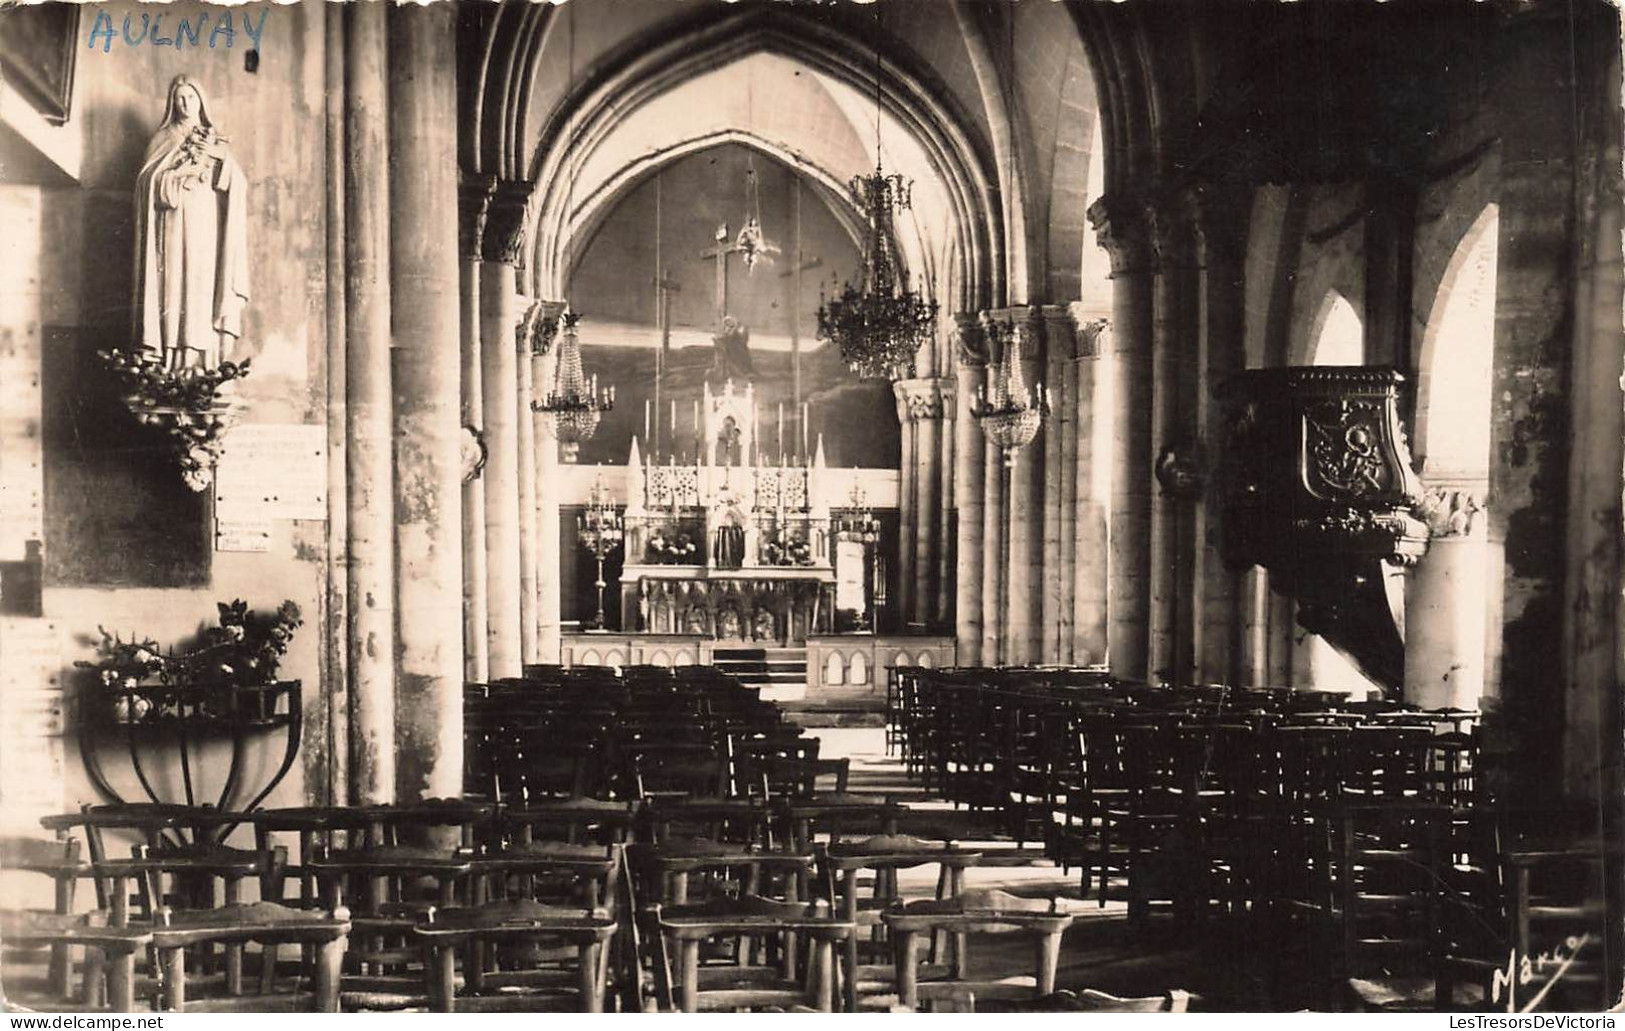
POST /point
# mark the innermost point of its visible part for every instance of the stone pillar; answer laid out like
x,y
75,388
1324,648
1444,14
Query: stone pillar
x,y
1445,621
1255,635
1123,230
1093,489
995,527
907,514
538,493
942,611
499,362
1060,433
474,197
920,404
1025,506
328,777
1174,374
1221,226
370,579
428,427
969,475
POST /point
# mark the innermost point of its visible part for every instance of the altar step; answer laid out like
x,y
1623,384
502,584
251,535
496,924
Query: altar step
x,y
779,673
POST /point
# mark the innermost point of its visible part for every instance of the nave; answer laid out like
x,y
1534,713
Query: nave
x,y
1044,841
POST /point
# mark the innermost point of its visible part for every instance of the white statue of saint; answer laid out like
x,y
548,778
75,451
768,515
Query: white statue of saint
x,y
191,272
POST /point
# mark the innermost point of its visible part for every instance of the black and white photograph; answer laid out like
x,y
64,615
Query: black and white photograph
x,y
1027,507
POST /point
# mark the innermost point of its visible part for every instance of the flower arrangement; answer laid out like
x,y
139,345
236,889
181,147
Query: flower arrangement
x,y
244,650
678,549
185,403
787,551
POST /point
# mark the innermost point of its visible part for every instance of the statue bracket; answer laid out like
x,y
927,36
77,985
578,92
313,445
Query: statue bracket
x,y
193,407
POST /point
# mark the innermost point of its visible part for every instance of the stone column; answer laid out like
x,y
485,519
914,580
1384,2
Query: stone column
x,y
370,578
907,516
942,610
428,426
538,493
1444,604
474,199
969,474
1123,230
1174,375
920,404
1255,634
1221,226
1093,489
995,524
1059,461
1025,506
499,362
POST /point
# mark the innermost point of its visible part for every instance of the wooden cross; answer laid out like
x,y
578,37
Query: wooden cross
x,y
664,286
720,253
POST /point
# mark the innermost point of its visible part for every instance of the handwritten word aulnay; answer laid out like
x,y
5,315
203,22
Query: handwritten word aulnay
x,y
152,30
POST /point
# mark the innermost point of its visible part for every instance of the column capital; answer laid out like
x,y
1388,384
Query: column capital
x,y
473,206
1123,228
924,398
1092,334
537,328
1173,232
504,237
970,343
1219,218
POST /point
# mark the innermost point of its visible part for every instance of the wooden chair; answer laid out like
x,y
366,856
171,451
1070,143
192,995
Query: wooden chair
x,y
514,927
115,949
815,928
981,912
269,925
883,856
59,860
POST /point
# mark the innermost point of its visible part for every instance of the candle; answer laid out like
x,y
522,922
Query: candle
x,y
803,427
781,432
696,417
647,406
674,422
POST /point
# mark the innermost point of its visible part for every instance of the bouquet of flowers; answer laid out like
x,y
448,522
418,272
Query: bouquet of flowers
x,y
184,403
676,550
787,551
244,650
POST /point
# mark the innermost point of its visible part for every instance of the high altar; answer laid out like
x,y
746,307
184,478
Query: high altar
x,y
729,546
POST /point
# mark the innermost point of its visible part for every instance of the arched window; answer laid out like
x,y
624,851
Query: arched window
x,y
1453,390
1338,335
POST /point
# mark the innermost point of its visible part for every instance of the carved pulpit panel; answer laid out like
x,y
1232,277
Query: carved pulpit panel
x,y
1315,484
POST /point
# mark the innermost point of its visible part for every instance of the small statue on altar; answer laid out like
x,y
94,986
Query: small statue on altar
x,y
728,550
766,627
728,628
729,450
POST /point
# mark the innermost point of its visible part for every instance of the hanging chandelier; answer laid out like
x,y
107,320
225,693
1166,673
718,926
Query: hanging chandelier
x,y
1011,414
879,323
574,404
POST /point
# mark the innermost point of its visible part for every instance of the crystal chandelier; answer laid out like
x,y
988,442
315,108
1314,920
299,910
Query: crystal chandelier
x,y
880,323
574,404
1012,414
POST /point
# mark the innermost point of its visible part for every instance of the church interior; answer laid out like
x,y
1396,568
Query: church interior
x,y
926,505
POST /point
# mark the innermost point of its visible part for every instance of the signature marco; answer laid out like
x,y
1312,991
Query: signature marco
x,y
1544,970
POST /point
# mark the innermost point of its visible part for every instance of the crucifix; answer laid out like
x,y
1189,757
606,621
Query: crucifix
x,y
720,252
664,286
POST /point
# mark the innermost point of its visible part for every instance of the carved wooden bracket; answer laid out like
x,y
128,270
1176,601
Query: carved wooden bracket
x,y
1315,484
